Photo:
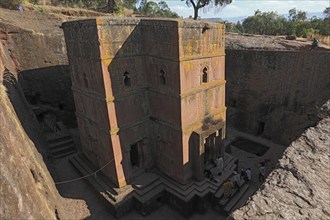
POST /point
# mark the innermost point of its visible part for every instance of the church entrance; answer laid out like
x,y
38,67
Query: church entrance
x,y
134,155
212,146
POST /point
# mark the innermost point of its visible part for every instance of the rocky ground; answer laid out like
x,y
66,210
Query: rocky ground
x,y
46,20
299,186
50,19
236,41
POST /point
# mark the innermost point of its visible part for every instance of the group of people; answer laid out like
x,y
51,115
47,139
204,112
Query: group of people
x,y
234,181
246,174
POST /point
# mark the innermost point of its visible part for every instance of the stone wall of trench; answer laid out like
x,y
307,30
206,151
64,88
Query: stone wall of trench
x,y
271,93
276,94
27,191
43,71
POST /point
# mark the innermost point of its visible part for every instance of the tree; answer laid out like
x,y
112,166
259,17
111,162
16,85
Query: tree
x,y
11,4
269,23
297,24
326,12
198,4
110,7
161,9
165,11
299,15
239,27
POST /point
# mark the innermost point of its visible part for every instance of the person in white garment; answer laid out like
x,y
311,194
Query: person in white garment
x,y
219,163
248,174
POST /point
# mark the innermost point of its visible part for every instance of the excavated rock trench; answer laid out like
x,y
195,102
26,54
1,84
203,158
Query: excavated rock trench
x,y
274,91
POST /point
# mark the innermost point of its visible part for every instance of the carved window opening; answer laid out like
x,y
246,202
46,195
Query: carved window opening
x,y
233,104
134,155
204,75
162,77
85,80
261,128
127,79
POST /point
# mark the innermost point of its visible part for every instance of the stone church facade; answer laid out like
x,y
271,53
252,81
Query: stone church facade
x,y
149,93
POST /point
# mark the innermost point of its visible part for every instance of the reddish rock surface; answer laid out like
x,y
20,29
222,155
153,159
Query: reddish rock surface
x,y
298,188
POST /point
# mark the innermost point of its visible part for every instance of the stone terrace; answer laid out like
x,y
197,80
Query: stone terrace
x,y
150,190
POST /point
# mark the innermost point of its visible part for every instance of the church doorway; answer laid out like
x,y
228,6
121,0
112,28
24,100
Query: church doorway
x,y
134,155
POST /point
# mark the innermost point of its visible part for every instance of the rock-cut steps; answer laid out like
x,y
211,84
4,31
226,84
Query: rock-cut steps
x,y
110,195
60,143
147,190
226,205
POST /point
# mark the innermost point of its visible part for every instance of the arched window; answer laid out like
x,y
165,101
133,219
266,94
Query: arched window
x,y
162,77
204,75
127,79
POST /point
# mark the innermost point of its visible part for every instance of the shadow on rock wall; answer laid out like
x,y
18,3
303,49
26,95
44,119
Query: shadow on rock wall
x,y
276,94
48,89
25,114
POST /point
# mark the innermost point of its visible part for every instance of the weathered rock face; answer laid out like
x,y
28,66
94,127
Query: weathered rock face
x,y
162,102
35,197
299,187
276,93
27,190
38,43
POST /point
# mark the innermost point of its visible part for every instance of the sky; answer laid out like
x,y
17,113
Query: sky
x,y
247,7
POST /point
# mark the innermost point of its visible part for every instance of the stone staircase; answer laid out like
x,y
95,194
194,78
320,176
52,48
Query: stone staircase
x,y
112,196
60,143
149,191
226,205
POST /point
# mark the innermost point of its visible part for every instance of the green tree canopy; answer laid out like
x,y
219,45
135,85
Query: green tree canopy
x,y
198,4
269,23
299,15
326,13
161,9
297,24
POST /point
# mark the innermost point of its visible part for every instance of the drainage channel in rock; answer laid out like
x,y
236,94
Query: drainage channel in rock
x,y
250,146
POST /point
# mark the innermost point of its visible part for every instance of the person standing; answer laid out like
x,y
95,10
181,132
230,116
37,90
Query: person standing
x,y
248,174
227,188
236,179
315,43
243,174
219,162
262,172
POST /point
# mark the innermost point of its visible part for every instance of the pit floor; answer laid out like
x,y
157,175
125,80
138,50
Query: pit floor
x,y
87,205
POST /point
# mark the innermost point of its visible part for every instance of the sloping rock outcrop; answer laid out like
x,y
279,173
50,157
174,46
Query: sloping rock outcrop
x,y
27,190
236,41
299,187
38,44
